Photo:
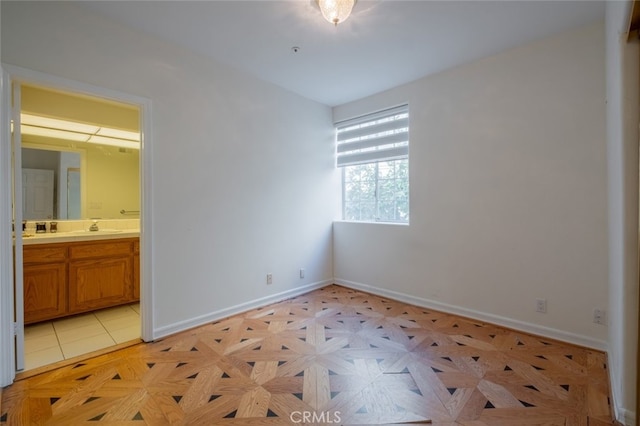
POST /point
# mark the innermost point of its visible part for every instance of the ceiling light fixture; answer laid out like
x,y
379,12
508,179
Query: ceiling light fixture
x,y
46,132
336,11
55,123
77,132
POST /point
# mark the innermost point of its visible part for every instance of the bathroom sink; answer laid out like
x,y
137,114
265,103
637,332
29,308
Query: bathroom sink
x,y
101,231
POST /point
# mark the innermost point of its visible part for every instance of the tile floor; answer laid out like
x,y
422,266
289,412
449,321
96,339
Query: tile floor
x,y
53,341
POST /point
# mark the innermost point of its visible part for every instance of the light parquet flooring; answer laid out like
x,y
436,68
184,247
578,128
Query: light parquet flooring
x,y
336,356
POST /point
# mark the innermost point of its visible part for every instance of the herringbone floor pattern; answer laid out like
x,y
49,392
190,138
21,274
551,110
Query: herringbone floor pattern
x,y
336,356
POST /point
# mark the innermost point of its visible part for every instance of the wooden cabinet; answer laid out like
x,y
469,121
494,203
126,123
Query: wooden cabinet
x,y
100,275
44,282
68,278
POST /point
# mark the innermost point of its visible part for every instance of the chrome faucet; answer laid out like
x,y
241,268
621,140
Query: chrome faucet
x,y
94,226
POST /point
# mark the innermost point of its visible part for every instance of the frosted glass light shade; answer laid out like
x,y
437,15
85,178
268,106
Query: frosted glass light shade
x,y
25,129
54,123
77,132
336,11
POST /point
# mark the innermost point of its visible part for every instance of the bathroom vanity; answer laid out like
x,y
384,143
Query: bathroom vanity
x,y
66,274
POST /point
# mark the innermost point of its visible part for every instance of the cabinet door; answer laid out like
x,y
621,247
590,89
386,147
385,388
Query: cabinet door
x,y
45,291
100,283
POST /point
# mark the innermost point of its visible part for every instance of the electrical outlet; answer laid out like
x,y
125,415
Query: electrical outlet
x,y
599,316
269,279
301,273
541,306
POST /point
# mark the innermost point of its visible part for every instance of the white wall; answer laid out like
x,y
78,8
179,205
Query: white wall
x,y
622,152
243,180
508,191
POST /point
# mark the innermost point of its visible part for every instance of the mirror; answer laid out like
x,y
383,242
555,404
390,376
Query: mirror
x,y
51,184
85,170
98,182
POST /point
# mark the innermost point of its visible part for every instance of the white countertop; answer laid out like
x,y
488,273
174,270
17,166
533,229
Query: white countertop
x,y
64,237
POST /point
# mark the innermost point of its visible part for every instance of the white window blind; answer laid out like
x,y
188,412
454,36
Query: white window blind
x,y
381,136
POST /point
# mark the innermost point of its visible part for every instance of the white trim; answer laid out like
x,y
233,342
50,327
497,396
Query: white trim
x,y
18,270
147,300
620,413
539,330
626,417
233,310
24,75
7,360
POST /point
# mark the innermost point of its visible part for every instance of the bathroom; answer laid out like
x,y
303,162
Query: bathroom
x,y
80,219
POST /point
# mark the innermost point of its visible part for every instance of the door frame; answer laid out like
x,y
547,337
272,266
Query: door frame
x,y
14,74
7,341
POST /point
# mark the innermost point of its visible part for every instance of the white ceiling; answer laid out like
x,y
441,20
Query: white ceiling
x,y
383,44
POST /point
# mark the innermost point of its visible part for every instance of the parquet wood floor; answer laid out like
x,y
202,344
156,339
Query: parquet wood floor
x,y
336,356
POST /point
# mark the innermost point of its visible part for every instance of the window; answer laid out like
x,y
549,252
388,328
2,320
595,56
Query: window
x,y
373,151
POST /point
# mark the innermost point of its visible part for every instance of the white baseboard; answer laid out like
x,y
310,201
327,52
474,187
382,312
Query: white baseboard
x,y
620,413
626,417
177,327
539,330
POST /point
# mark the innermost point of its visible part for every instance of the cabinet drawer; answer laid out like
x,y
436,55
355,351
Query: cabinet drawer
x,y
100,249
44,254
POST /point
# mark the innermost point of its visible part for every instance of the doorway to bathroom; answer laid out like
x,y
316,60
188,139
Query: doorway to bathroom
x,y
79,253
